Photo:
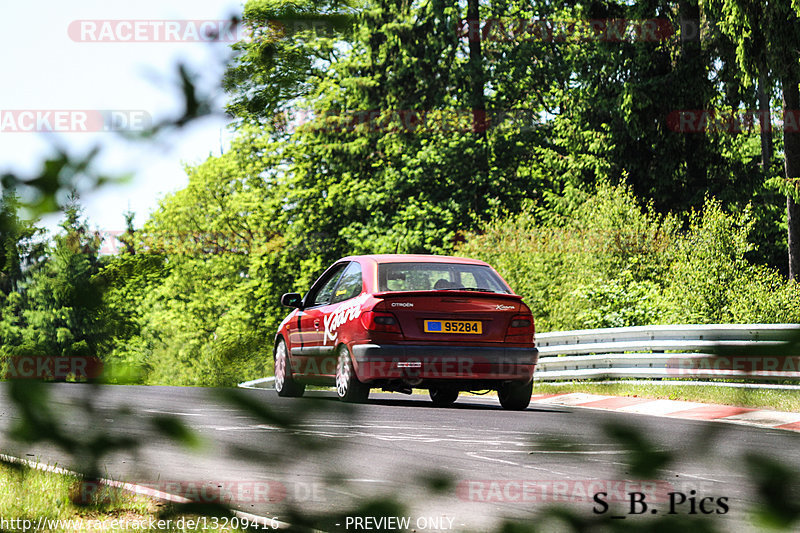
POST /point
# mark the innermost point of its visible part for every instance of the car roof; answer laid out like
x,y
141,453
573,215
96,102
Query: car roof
x,y
415,258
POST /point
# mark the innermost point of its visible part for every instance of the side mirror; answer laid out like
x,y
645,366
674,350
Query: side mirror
x,y
292,299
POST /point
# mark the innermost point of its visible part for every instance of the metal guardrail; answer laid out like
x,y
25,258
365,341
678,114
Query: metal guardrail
x,y
753,352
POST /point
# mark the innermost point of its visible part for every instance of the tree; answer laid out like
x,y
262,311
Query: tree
x,y
20,244
197,301
59,310
768,40
291,47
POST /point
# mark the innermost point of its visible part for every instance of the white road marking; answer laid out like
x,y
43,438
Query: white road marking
x,y
474,455
584,452
170,413
659,407
571,399
767,418
683,474
536,451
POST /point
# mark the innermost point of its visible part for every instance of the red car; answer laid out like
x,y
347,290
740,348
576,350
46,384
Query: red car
x,y
397,322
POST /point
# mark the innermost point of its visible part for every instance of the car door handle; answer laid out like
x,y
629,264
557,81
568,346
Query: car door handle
x,y
316,324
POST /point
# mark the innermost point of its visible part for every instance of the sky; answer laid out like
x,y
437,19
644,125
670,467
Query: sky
x,y
54,60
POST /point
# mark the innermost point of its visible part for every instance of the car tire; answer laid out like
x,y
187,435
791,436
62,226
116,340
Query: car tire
x,y
348,388
443,396
285,385
516,396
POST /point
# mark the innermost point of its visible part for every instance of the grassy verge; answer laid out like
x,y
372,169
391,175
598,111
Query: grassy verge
x,y
779,400
33,499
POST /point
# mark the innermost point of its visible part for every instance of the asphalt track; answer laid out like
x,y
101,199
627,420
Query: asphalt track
x,y
457,469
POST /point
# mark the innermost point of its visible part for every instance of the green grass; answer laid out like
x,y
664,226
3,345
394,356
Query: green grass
x,y
778,400
29,494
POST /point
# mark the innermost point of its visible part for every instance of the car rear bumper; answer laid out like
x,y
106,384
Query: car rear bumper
x,y
396,361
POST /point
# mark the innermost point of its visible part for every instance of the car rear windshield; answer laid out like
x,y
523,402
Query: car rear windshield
x,y
438,276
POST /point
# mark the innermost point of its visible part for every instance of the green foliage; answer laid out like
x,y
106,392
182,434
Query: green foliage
x,y
711,280
200,290
617,303
291,45
32,494
613,263
598,266
20,245
194,298
58,310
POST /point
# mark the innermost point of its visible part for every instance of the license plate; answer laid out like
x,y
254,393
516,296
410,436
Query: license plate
x,y
453,326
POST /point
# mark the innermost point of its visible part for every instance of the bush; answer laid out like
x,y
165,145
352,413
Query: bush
x,y
600,265
711,281
613,262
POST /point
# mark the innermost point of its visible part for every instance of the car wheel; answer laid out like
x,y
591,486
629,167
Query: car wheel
x,y
443,396
285,385
516,396
348,388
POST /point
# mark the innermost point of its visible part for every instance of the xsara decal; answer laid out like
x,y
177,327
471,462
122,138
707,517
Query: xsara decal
x,y
349,310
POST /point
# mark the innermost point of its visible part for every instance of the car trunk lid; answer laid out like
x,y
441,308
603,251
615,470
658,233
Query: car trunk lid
x,y
452,315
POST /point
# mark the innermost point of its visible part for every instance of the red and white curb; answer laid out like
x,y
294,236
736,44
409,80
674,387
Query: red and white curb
x,y
674,409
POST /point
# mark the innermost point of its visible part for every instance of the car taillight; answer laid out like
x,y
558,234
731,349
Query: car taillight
x,y
378,321
520,329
